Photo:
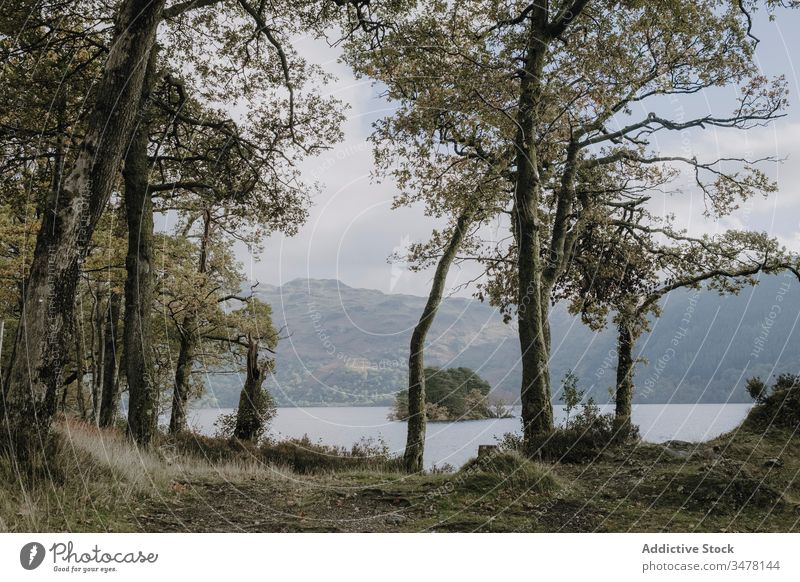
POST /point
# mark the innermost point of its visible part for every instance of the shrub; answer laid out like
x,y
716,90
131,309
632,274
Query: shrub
x,y
507,469
255,417
299,454
436,412
583,437
570,393
511,441
305,456
757,389
780,408
498,408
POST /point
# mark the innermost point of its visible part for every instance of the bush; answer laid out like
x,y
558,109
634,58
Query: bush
x,y
507,469
511,441
498,408
254,418
780,408
582,438
300,454
305,456
757,389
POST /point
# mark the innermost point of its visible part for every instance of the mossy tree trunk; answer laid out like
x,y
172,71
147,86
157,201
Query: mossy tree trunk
x,y
183,375
249,416
98,353
189,340
109,400
626,339
80,370
137,338
69,220
533,296
415,440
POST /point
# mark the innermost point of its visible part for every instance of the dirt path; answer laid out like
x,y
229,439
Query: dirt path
x,y
648,488
275,506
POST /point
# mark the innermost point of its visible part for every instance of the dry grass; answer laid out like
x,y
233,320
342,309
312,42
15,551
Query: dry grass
x,y
98,480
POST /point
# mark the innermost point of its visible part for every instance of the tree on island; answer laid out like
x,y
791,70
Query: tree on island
x,y
452,394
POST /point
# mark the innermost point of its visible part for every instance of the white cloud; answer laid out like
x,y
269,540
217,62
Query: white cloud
x,y
352,229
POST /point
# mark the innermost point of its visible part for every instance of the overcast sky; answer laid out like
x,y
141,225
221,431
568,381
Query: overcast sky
x,y
352,230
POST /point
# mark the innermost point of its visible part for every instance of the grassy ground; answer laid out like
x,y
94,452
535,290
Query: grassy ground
x,y
741,481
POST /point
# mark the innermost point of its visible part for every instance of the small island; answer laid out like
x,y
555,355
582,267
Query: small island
x,y
453,394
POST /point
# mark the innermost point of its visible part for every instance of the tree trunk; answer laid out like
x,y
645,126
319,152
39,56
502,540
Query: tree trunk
x,y
249,421
70,217
55,186
188,347
98,353
537,410
415,440
183,375
80,371
626,339
137,337
109,401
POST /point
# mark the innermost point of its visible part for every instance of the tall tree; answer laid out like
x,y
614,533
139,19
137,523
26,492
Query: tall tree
x,y
415,439
557,87
628,265
69,217
237,170
137,338
250,330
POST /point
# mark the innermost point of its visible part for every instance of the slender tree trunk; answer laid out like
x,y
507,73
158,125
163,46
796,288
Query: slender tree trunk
x,y
98,353
80,370
188,347
109,401
183,375
537,410
626,339
415,440
58,176
69,220
249,422
137,338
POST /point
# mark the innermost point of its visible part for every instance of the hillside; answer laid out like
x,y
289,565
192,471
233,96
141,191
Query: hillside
x,y
349,346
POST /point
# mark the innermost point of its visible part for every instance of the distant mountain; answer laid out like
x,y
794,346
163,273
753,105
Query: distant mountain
x,y
350,346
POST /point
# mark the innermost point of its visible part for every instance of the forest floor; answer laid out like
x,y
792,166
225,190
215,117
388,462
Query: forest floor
x,y
740,481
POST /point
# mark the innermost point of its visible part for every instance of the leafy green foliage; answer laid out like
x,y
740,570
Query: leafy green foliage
x,y
570,393
757,389
451,394
260,415
780,409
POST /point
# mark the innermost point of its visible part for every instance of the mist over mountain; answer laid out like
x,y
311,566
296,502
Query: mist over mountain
x,y
349,346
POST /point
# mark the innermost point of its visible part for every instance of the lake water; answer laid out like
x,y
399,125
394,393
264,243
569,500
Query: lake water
x,y
456,442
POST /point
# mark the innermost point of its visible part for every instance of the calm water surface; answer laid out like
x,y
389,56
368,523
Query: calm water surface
x,y
455,443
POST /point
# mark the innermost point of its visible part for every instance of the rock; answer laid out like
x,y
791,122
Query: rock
x,y
396,519
679,444
676,454
704,453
